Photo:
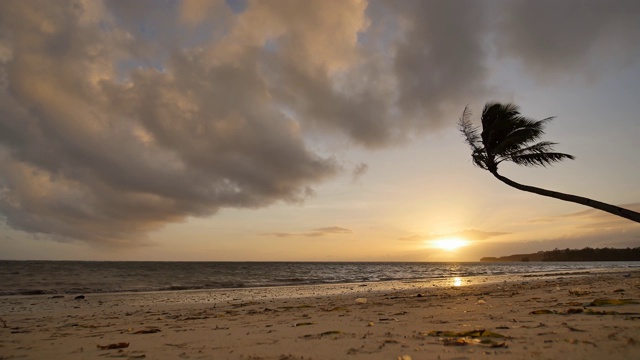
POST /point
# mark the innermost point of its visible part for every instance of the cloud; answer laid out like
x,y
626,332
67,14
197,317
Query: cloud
x,y
470,234
119,117
606,237
331,230
593,228
593,218
438,61
359,171
92,158
554,38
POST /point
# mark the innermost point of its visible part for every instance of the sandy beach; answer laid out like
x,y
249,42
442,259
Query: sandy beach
x,y
586,315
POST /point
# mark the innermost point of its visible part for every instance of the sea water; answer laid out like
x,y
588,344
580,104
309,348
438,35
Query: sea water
x,y
73,277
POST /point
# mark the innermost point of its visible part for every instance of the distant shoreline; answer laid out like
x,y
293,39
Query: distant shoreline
x,y
585,254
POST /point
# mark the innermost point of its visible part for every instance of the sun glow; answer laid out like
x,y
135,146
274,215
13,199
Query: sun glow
x,y
448,244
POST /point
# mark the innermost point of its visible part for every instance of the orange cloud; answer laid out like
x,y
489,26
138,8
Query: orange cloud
x,y
331,230
471,234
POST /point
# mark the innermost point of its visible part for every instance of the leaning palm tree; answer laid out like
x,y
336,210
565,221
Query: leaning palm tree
x,y
508,136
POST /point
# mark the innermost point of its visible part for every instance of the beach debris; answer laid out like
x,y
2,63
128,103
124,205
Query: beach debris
x,y
404,357
303,324
618,290
487,343
598,312
576,341
479,337
572,311
388,341
541,312
361,301
79,297
573,328
57,297
147,331
303,306
321,335
454,342
481,302
354,351
573,303
331,332
120,345
370,324
337,308
610,302
578,292
472,334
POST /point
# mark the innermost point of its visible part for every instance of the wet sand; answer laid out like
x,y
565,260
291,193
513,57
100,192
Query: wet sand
x,y
588,315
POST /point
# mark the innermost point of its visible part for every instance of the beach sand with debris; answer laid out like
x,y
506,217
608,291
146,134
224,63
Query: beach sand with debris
x,y
586,315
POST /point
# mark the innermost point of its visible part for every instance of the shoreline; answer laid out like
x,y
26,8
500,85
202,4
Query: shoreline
x,y
377,321
441,281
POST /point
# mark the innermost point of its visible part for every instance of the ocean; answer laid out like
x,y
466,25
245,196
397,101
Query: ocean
x,y
85,277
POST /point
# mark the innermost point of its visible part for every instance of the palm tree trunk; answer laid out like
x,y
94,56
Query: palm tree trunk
x,y
612,209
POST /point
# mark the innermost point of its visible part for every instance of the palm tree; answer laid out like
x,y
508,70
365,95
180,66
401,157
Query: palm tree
x,y
508,136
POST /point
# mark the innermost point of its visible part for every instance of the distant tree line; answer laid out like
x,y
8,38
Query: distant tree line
x,y
590,254
586,254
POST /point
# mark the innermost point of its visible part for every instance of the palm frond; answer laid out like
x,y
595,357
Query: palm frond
x,y
513,132
472,138
517,139
494,111
540,159
470,132
507,136
480,159
498,121
538,148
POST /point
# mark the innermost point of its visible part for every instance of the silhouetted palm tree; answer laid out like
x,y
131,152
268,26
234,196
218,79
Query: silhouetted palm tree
x,y
508,136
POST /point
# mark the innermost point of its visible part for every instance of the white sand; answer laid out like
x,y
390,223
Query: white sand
x,y
333,322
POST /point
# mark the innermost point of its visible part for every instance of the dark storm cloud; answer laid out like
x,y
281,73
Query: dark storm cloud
x,y
119,117
439,60
90,158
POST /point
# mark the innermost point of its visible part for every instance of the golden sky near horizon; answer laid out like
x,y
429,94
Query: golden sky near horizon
x,y
308,130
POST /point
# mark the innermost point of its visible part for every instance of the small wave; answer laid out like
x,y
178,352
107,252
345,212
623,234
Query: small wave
x,y
290,280
49,278
27,292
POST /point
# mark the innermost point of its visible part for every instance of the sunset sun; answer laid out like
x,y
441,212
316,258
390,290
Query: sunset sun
x,y
448,244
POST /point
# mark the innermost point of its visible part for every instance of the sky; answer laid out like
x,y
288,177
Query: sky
x,y
317,130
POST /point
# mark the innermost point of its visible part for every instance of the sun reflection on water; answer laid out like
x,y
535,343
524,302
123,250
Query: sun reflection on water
x,y
457,281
